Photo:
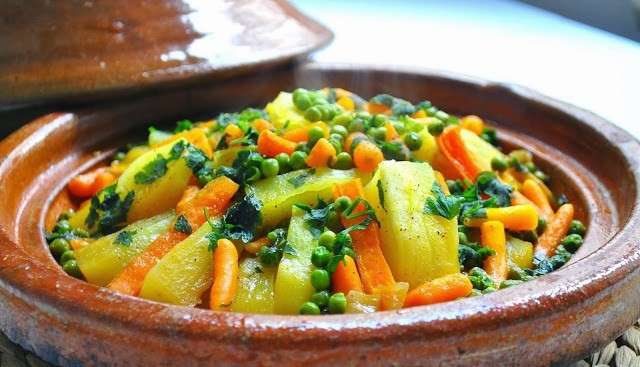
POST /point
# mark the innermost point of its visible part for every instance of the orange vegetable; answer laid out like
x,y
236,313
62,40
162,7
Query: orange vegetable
x,y
372,266
367,156
103,179
442,182
353,138
443,289
82,186
391,132
492,236
301,134
346,103
392,296
225,275
270,144
516,218
378,109
232,132
255,246
472,123
456,155
419,114
534,192
322,154
260,125
215,197
196,136
77,244
346,277
557,228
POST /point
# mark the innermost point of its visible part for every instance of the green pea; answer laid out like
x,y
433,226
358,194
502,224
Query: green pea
x,y
320,298
320,279
269,255
343,239
283,162
66,256
441,115
337,303
577,227
120,156
342,119
333,221
65,215
320,256
379,120
297,160
572,242
343,161
531,167
499,164
309,308
71,268
315,133
348,251
318,99
302,147
521,155
462,238
340,130
431,111
327,238
541,176
80,232
542,225
313,114
378,133
413,141
62,226
435,128
326,112
455,186
253,174
270,167
399,126
342,203
301,99
337,145
59,246
356,125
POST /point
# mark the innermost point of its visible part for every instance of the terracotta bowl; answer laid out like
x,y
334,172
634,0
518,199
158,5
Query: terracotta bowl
x,y
551,320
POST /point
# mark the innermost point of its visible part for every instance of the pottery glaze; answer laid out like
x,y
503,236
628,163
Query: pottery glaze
x,y
554,319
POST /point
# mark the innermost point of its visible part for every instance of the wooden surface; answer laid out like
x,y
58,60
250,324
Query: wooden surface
x,y
557,318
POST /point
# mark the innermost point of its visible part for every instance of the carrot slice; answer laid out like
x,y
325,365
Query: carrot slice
x,y
225,275
372,266
557,228
352,141
215,197
103,179
391,132
534,192
260,125
378,109
196,136
367,156
82,186
301,134
271,145
443,289
255,246
232,132
346,277
322,154
492,236
456,154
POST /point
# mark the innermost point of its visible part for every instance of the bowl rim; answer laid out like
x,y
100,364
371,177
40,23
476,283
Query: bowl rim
x,y
508,306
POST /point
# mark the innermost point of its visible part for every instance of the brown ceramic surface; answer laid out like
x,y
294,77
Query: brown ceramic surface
x,y
551,320
61,49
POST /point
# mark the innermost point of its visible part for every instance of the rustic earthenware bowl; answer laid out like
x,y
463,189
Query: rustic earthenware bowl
x,y
554,319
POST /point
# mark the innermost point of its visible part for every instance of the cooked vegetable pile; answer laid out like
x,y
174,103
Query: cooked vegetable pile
x,y
320,203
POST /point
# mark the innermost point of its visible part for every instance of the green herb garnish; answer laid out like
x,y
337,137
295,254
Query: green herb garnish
x,y
124,238
182,225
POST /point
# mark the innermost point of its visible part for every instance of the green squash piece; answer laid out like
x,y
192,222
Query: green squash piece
x,y
520,252
255,292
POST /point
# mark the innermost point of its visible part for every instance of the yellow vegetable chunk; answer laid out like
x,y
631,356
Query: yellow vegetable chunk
x,y
293,279
184,274
160,195
103,259
480,151
418,246
283,112
429,147
520,252
255,287
279,193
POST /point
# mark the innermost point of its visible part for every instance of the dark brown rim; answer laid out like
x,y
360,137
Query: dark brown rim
x,y
508,307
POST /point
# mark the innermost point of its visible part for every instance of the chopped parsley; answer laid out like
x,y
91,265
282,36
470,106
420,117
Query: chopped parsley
x,y
108,211
158,166
299,180
489,184
398,106
442,205
472,255
124,238
316,218
182,225
480,279
183,125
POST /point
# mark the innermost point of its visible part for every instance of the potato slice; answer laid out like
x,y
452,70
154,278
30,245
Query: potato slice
x,y
417,246
283,112
293,279
103,259
255,292
520,252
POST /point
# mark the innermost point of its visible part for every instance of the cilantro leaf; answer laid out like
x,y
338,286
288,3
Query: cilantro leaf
x,y
316,218
398,106
445,206
480,279
107,211
124,238
334,261
380,193
299,180
182,225
489,184
151,171
472,255
183,125
243,218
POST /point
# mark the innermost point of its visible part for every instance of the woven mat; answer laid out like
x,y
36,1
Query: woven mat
x,y
622,352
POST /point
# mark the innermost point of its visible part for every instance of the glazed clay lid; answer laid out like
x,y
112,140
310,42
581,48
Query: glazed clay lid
x,y
91,49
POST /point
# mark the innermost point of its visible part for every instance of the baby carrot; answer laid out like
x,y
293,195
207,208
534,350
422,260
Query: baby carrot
x,y
225,275
443,289
255,246
517,217
492,236
346,277
556,229
534,192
